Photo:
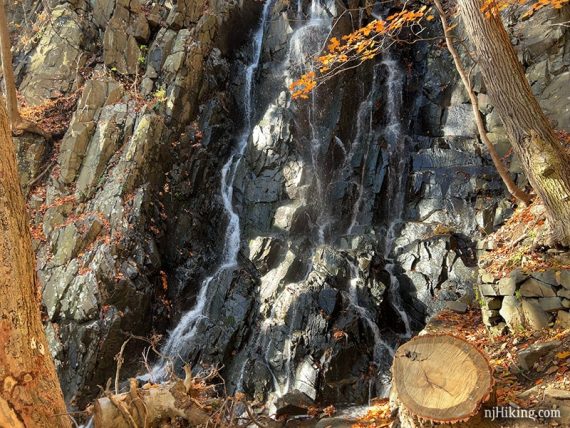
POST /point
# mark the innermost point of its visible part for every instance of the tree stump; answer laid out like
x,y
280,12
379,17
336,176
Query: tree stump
x,y
440,380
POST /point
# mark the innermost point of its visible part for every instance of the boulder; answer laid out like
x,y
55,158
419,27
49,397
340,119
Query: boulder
x,y
550,304
96,94
528,357
555,101
328,299
512,313
535,317
457,306
507,286
562,319
293,403
490,318
489,290
563,278
535,288
487,277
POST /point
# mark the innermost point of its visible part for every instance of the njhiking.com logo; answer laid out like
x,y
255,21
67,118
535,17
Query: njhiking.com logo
x,y
508,412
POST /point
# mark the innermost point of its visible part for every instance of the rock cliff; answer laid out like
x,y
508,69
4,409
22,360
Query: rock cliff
x,y
296,244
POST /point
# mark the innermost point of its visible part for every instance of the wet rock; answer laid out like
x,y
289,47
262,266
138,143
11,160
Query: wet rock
x,y
284,216
293,403
328,299
306,379
459,121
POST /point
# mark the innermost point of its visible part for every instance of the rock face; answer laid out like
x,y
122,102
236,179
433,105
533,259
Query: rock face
x,y
358,210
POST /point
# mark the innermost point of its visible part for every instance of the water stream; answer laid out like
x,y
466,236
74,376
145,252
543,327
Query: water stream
x,y
308,38
181,337
397,180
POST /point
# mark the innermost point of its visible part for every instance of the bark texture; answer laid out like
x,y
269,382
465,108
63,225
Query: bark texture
x,y
17,123
9,80
30,394
545,162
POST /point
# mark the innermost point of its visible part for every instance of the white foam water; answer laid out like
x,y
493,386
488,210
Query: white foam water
x,y
181,337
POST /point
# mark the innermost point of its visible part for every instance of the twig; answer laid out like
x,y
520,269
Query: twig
x,y
253,417
122,410
137,402
120,360
42,174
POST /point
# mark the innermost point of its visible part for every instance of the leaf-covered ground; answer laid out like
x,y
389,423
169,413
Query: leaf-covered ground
x,y
523,242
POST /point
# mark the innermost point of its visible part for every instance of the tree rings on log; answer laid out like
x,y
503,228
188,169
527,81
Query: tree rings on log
x,y
441,378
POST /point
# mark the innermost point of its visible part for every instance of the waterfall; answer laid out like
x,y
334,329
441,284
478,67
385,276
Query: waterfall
x,y
379,344
397,180
181,337
364,134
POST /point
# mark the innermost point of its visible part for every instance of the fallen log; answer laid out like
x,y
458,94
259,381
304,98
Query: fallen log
x,y
440,380
149,406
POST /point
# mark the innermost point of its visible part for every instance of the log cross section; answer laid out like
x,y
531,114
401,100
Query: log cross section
x,y
441,378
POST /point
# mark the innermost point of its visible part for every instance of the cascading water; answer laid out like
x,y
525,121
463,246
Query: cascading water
x,y
305,42
394,163
397,179
380,345
181,337
282,318
365,137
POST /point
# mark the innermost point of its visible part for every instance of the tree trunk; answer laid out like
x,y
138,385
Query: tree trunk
x,y
9,80
440,379
17,123
499,165
544,161
30,394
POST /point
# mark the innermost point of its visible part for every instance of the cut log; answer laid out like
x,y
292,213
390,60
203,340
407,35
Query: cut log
x,y
440,379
